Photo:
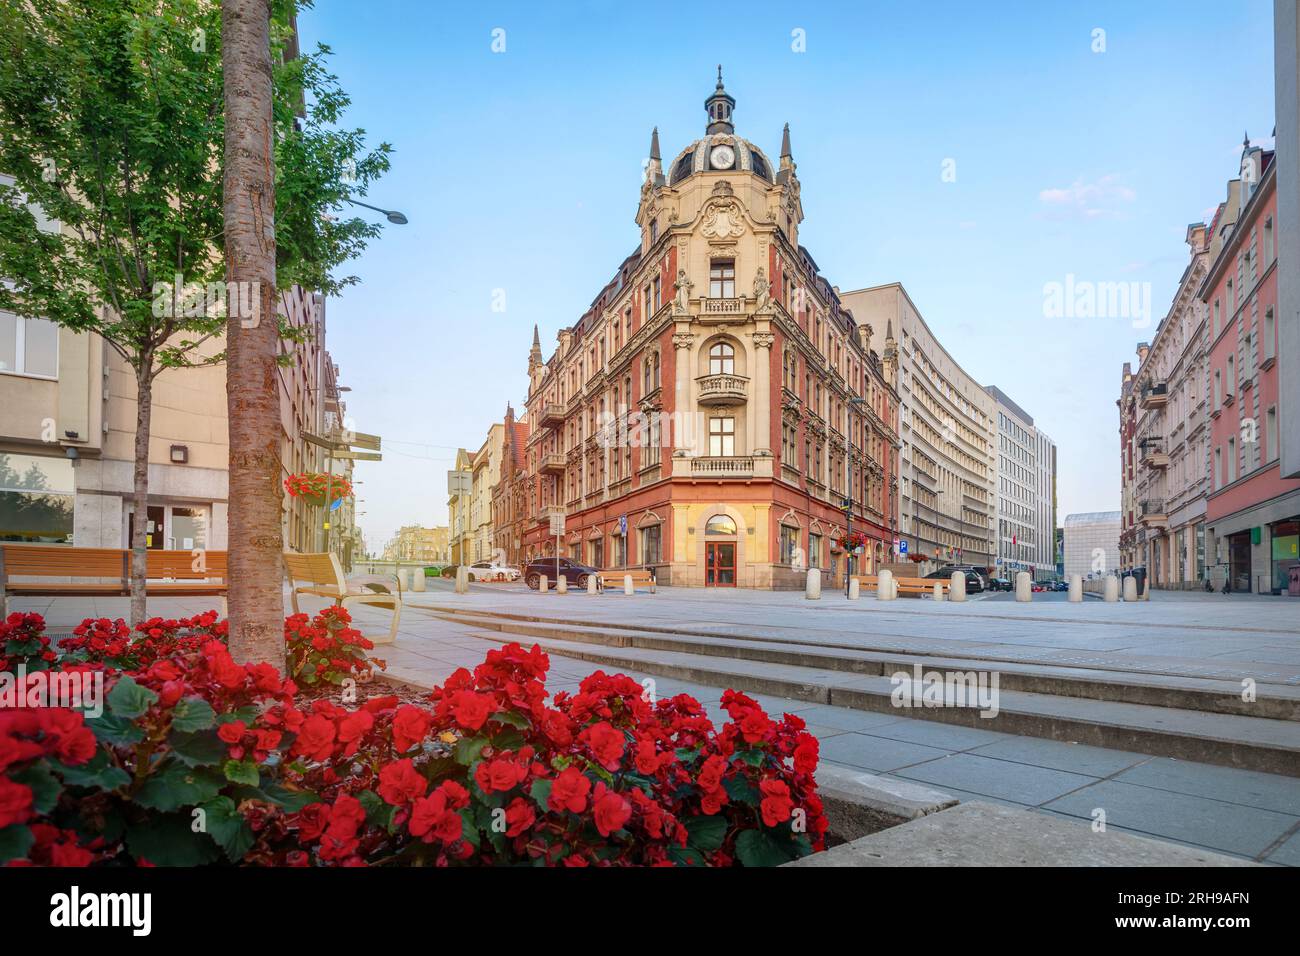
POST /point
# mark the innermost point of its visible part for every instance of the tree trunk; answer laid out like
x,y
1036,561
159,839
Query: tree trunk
x,y
256,600
140,522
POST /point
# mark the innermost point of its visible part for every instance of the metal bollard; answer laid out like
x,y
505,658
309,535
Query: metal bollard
x,y
957,586
813,587
1110,588
885,585
1024,587
1076,589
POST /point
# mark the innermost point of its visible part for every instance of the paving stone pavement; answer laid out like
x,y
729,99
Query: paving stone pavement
x,y
1238,812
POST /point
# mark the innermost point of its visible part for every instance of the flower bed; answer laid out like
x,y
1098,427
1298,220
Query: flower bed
x,y
197,759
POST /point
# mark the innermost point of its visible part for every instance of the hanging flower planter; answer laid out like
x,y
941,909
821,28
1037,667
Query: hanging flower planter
x,y
313,487
852,541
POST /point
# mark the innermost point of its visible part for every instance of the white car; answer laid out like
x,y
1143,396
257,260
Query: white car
x,y
488,571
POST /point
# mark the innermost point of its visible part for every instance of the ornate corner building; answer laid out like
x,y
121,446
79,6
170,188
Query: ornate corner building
x,y
717,414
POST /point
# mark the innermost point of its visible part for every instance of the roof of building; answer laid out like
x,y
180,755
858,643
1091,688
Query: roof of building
x,y
698,156
1092,517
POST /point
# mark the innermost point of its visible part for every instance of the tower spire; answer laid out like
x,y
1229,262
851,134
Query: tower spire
x,y
719,107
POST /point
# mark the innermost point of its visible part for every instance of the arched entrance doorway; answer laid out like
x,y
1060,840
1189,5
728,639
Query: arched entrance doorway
x,y
720,552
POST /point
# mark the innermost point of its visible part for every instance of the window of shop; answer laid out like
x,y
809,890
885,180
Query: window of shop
x,y
575,552
620,550
650,544
598,552
789,544
814,551
36,499
1286,542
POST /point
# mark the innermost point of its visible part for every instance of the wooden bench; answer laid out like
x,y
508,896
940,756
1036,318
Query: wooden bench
x,y
168,573
324,577
640,578
920,587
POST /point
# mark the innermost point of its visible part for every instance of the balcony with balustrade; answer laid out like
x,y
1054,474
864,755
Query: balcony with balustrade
x,y
723,389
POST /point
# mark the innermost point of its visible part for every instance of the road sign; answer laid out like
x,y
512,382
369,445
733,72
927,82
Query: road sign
x,y
901,544
557,523
622,525
359,455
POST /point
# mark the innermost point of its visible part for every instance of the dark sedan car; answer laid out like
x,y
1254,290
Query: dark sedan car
x,y
574,574
974,585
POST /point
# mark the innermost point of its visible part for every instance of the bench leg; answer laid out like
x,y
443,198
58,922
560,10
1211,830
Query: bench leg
x,y
293,599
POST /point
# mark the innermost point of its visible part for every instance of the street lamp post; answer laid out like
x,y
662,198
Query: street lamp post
x,y
393,216
848,506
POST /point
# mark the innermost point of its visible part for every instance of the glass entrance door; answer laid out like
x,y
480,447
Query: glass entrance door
x,y
720,564
1239,561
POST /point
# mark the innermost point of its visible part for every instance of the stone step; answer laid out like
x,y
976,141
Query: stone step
x,y
1278,702
1252,743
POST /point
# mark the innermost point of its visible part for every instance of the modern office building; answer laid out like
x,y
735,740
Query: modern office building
x,y
1091,544
1025,514
947,426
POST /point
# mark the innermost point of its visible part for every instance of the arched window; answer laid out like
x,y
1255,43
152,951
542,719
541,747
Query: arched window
x,y
656,361
648,386
720,524
722,359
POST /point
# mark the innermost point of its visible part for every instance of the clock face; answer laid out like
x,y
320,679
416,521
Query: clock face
x,y
722,157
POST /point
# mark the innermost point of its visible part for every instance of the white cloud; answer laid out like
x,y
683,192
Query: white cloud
x,y
1099,199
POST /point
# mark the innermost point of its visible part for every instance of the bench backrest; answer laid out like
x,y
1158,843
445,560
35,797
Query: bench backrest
x,y
318,568
186,565
61,561
873,580
640,575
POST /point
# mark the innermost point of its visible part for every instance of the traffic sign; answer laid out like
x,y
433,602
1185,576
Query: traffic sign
x,y
901,545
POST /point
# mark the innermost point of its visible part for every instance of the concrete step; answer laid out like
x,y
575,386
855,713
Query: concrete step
x,y
1277,702
1252,743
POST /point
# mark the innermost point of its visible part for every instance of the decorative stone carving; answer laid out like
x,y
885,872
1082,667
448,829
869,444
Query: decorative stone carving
x,y
723,221
683,340
763,340
683,286
762,289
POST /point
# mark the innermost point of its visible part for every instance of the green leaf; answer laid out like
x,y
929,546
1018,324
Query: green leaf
x,y
170,840
469,748
173,785
290,801
204,749
115,731
97,772
44,785
128,699
740,790
760,848
242,771
511,719
191,714
227,826
379,812
685,856
540,791
706,833
15,841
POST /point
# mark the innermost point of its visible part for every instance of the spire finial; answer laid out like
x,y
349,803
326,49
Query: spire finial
x,y
1245,142
537,339
654,143
785,141
719,106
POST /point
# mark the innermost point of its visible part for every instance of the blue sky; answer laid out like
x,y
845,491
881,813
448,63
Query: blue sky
x,y
520,172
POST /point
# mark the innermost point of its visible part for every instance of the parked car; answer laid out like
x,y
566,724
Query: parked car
x,y
574,573
1000,584
1060,585
973,583
979,573
491,571
1038,587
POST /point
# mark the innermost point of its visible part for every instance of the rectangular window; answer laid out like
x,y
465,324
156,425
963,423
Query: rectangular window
x,y
658,293
29,346
650,544
620,551
814,551
722,437
789,544
1270,435
36,499
1232,461
722,279
598,552
1270,334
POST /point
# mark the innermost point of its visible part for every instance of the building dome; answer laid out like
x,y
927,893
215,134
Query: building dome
x,y
720,149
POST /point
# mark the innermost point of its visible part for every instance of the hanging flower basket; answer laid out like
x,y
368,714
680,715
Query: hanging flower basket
x,y
313,486
851,542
